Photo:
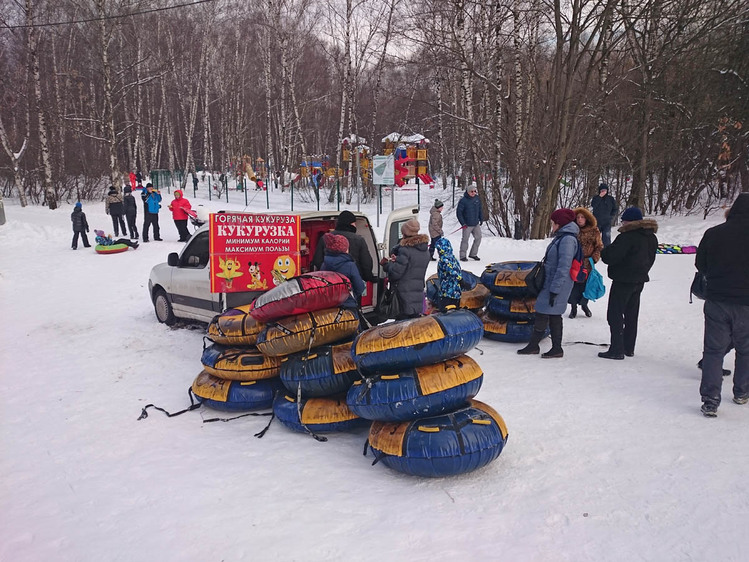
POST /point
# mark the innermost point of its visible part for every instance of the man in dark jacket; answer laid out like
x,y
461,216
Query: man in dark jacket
x,y
604,209
470,215
131,212
724,259
407,268
113,207
629,258
346,227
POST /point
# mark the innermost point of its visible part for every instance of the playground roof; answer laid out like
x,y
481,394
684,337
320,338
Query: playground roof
x,y
408,139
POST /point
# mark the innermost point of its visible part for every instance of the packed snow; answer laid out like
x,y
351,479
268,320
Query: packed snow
x,y
606,460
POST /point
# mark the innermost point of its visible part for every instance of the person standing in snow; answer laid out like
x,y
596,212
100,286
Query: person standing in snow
x,y
590,240
113,207
407,268
131,212
346,227
338,259
152,202
449,274
629,258
435,226
604,210
723,258
552,300
80,226
179,208
470,215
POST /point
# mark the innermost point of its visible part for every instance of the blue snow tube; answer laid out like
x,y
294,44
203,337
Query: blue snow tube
x,y
509,331
518,309
397,346
232,396
324,371
444,445
414,393
318,415
507,279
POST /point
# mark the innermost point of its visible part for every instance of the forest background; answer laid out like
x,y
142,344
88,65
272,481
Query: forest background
x,y
537,101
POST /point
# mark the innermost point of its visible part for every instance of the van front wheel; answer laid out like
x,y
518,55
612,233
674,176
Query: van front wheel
x,y
163,308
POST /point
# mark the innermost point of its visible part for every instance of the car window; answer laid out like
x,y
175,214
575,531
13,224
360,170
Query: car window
x,y
196,253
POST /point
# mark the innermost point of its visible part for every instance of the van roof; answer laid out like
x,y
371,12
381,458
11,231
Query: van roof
x,y
303,215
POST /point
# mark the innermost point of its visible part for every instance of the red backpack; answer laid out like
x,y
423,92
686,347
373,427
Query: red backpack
x,y
577,272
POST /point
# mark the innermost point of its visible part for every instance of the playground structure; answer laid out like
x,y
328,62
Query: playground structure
x,y
411,157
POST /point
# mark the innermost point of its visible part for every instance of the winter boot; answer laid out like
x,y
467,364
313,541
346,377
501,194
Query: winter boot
x,y
573,312
586,310
611,354
532,347
709,410
556,351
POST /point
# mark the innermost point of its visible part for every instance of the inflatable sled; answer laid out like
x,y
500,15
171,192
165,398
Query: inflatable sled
x,y
675,249
112,249
394,347
507,279
518,309
300,333
318,415
306,293
232,396
239,364
324,371
508,331
445,445
235,327
472,299
415,393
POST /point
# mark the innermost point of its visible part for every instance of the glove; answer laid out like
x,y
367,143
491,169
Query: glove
x,y
552,298
383,261
464,227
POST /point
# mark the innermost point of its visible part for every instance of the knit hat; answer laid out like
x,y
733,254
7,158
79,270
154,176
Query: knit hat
x,y
472,188
563,216
632,214
128,189
335,243
78,205
438,203
100,233
602,187
410,227
346,218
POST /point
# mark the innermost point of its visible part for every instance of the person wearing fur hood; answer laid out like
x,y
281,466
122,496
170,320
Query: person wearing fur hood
x,y
629,257
591,244
407,269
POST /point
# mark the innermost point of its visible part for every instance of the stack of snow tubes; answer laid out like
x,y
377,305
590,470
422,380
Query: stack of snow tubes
x,y
473,296
510,310
309,334
418,390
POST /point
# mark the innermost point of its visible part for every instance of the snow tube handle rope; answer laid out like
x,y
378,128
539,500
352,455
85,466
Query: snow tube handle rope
x,y
193,406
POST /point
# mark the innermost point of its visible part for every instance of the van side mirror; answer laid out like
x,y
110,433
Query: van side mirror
x,y
172,259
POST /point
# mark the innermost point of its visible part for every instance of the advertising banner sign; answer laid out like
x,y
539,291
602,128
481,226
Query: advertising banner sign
x,y
252,252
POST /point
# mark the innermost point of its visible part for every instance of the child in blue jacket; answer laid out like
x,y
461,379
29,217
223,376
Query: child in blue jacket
x,y
450,274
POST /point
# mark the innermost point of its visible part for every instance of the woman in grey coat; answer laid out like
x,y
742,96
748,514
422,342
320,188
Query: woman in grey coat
x,y
407,268
552,300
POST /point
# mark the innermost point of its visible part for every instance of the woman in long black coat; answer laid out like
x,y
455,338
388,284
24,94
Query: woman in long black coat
x,y
407,268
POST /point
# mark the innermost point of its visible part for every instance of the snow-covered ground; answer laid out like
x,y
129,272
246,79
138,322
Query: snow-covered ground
x,y
605,461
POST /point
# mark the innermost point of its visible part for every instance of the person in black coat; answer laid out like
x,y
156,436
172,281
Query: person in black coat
x,y
131,212
407,268
629,258
346,227
723,257
80,226
113,207
604,210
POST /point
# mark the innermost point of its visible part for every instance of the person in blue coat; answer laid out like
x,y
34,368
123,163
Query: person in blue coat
x,y
470,215
552,300
449,274
338,259
152,203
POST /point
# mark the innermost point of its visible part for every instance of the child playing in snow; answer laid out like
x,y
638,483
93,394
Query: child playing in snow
x,y
80,226
435,225
450,274
104,240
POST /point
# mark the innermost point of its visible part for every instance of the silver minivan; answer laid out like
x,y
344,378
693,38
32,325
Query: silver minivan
x,y
180,288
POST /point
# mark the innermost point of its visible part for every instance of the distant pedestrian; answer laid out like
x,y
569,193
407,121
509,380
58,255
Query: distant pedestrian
x,y
179,208
449,274
133,179
152,202
194,180
552,300
113,207
629,258
723,257
131,212
470,215
590,240
435,226
604,210
80,226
